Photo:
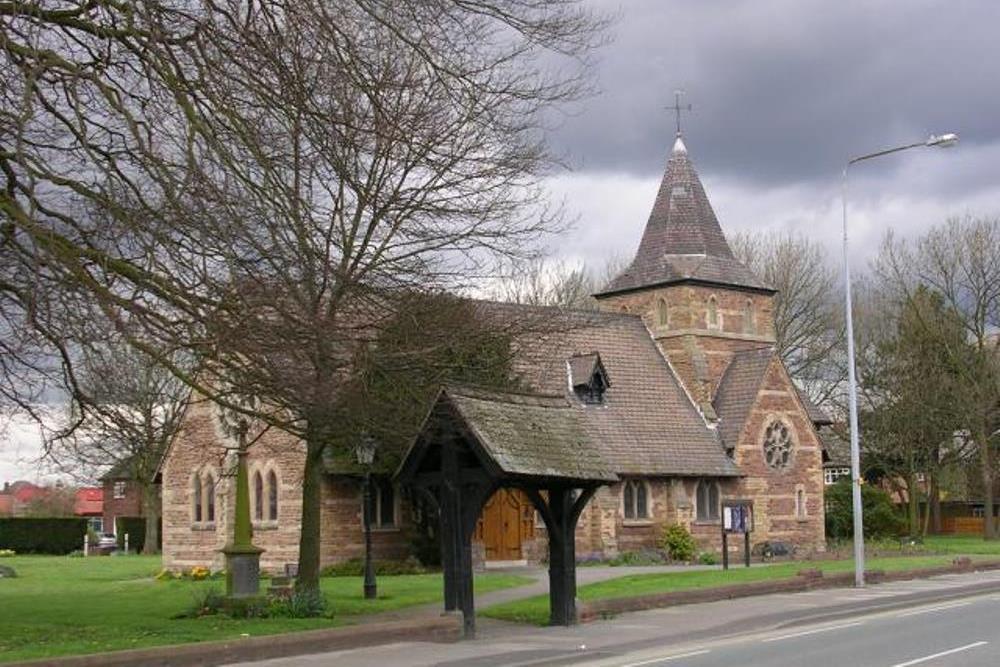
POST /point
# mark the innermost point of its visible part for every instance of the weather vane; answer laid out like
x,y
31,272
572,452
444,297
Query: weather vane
x,y
678,108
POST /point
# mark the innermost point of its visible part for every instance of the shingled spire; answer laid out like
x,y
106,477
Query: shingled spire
x,y
683,241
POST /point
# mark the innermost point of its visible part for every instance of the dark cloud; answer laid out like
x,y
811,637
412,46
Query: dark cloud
x,y
785,90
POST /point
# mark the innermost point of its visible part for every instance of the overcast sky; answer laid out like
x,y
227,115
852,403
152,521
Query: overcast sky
x,y
784,92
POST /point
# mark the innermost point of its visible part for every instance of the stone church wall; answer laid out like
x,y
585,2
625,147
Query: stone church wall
x,y
774,491
200,447
700,353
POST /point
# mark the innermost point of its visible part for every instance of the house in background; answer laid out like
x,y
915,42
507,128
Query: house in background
x,y
122,496
89,503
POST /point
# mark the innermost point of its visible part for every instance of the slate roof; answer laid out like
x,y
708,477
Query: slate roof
x,y
836,450
737,391
817,414
582,368
530,434
646,424
683,240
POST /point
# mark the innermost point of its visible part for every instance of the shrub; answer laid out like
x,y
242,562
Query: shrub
x,y
882,519
7,553
56,536
355,567
677,542
707,558
207,602
299,605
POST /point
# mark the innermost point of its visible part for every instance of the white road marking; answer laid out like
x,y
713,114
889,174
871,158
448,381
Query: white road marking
x,y
812,632
928,610
917,661
666,658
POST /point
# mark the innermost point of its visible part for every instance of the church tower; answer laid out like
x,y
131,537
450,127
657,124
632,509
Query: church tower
x,y
700,303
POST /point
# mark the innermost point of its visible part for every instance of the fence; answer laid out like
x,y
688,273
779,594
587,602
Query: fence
x,y
965,525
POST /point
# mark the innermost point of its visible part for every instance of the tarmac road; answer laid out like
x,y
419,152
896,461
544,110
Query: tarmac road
x,y
962,632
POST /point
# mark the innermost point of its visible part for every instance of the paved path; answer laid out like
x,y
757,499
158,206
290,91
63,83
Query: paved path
x,y
660,636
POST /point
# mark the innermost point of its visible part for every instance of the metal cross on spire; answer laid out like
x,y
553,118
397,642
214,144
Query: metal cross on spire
x,y
678,108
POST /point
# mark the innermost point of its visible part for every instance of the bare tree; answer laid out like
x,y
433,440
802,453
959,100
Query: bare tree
x,y
960,262
258,182
126,410
807,317
546,282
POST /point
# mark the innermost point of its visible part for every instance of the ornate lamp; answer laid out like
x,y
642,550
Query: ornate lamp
x,y
365,453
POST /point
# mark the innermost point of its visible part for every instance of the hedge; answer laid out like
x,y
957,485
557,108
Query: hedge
x,y
43,536
135,526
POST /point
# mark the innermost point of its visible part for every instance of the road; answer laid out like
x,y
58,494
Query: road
x,y
948,621
964,632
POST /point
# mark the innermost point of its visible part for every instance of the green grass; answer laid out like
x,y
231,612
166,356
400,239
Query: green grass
x,y
962,544
63,606
535,610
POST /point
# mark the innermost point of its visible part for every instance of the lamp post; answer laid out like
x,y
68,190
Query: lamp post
x,y
939,141
365,452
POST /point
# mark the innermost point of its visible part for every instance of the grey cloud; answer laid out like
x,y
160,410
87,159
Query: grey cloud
x,y
785,90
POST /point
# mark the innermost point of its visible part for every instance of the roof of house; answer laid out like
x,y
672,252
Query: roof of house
x,y
683,240
89,501
531,435
817,415
836,450
25,492
737,391
646,423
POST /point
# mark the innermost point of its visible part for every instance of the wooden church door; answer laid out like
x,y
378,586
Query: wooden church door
x,y
507,520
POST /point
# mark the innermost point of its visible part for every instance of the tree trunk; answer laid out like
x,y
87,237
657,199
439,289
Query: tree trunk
x,y
986,458
307,580
934,501
913,502
151,511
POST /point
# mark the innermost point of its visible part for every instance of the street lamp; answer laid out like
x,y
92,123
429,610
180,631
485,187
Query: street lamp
x,y
365,452
938,141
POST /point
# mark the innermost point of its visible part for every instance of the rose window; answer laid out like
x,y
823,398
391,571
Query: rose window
x,y
777,445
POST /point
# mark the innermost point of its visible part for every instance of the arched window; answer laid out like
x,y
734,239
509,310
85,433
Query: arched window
x,y
383,503
707,500
209,493
636,500
258,497
272,496
800,503
196,483
713,313
748,323
662,314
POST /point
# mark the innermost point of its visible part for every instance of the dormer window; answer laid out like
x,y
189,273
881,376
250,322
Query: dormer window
x,y
588,378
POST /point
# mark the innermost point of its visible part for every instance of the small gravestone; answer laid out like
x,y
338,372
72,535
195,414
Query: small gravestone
x,y
7,572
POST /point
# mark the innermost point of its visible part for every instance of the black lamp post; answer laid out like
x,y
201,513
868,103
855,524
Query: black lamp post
x,y
365,451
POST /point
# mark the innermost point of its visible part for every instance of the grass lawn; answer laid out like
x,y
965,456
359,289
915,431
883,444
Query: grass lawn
x,y
535,610
962,544
63,606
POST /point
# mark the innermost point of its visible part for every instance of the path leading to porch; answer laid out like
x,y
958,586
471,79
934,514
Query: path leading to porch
x,y
540,585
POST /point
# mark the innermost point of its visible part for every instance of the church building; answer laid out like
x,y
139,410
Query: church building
x,y
673,382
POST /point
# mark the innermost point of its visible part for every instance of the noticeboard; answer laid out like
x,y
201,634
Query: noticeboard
x,y
737,516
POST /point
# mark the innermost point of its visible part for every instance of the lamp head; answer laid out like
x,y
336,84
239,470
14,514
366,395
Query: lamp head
x,y
365,450
943,140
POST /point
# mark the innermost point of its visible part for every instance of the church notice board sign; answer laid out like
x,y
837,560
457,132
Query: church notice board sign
x,y
737,519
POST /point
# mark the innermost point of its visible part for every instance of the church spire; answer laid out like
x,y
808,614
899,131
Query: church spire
x,y
683,241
